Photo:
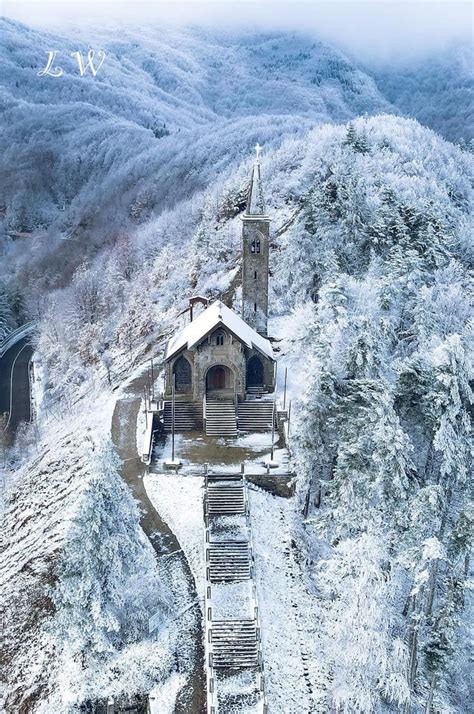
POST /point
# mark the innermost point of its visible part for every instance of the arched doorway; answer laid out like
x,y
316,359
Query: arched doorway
x,y
219,378
254,372
183,375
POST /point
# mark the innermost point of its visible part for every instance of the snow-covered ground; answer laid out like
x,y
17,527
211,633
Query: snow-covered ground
x,y
195,449
163,698
179,501
289,621
294,677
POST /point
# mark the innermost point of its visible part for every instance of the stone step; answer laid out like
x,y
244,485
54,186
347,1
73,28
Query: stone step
x,y
188,416
255,407
228,561
221,419
225,499
255,416
224,477
238,701
234,644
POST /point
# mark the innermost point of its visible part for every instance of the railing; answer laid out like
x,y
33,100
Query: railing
x,y
147,447
14,336
211,694
254,593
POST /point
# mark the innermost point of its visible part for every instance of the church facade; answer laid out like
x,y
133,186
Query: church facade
x,y
221,355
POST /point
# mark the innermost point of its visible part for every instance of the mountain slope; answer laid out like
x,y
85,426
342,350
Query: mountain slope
x,y
370,281
87,158
438,91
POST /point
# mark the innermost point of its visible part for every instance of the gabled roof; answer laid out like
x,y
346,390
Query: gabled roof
x,y
212,317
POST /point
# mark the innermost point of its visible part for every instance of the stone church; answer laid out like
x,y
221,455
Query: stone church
x,y
222,364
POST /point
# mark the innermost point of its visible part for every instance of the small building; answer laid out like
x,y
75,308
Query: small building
x,y
221,364
219,356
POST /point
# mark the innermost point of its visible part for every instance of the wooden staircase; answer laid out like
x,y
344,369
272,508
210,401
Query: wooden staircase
x,y
255,415
220,418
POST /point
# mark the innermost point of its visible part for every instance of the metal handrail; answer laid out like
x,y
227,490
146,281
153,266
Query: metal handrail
x,y
14,336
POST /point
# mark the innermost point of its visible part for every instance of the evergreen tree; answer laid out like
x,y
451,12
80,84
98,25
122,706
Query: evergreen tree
x,y
99,599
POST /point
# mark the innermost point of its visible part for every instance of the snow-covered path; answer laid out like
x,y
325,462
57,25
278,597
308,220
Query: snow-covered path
x,y
174,565
294,678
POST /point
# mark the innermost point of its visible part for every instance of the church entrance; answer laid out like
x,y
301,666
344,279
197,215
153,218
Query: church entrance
x,y
219,378
183,375
254,372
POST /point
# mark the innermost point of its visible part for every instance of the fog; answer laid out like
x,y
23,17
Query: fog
x,y
372,30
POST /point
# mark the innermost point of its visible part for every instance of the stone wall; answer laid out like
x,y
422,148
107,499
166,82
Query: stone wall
x,y
232,354
255,257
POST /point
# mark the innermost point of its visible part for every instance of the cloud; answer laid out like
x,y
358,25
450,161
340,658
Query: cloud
x,y
369,29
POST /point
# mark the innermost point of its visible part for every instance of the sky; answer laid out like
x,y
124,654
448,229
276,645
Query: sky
x,y
371,30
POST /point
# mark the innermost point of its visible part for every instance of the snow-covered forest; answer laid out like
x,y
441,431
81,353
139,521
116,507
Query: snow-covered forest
x,y
119,199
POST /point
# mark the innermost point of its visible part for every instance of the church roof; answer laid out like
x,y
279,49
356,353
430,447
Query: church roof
x,y
212,317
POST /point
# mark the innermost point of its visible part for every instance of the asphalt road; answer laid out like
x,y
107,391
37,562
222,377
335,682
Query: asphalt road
x,y
14,385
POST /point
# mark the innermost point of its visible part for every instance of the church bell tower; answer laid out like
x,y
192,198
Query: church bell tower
x,y
255,250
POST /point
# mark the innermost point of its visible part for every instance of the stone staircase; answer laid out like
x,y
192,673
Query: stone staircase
x,y
256,391
228,561
225,499
255,415
234,665
187,416
220,418
234,644
247,699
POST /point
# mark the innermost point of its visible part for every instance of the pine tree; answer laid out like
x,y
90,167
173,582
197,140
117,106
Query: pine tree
x,y
98,597
367,664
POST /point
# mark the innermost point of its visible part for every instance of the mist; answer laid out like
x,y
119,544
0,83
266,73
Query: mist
x,y
370,30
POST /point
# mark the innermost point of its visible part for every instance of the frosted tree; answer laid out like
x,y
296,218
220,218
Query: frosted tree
x,y
87,295
367,664
7,322
105,578
371,475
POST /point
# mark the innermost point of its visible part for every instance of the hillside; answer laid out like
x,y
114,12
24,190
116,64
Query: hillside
x,y
370,290
120,197
88,158
75,566
438,91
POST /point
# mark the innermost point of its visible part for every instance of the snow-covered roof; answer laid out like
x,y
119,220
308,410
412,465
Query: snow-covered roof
x,y
212,317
